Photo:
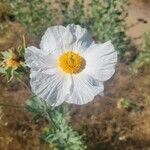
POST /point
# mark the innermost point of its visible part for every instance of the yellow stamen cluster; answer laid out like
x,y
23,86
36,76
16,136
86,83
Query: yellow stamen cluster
x,y
71,62
12,63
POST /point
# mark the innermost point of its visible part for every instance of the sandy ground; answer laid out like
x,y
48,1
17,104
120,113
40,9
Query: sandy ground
x,y
138,20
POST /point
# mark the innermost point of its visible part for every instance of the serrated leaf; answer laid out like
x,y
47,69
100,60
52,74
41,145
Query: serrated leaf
x,y
35,104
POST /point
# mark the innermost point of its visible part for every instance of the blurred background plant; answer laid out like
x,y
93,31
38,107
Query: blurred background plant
x,y
108,22
105,19
127,104
142,62
35,15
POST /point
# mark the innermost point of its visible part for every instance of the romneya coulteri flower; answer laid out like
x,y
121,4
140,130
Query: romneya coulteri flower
x,y
69,66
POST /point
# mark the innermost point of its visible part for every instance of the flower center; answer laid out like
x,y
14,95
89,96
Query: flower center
x,y
12,63
71,62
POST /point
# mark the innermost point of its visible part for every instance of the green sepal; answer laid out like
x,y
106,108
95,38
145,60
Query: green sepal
x,y
6,54
9,73
2,70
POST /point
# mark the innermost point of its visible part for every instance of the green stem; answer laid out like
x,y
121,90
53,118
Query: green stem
x,y
24,41
25,85
49,116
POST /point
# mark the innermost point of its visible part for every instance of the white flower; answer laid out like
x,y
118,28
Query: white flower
x,y
69,66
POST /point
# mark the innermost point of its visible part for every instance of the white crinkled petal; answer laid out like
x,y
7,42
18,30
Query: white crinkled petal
x,y
51,40
83,38
100,61
52,88
58,39
84,88
37,61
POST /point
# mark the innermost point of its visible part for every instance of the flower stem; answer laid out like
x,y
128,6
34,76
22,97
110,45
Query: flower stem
x,y
49,116
25,85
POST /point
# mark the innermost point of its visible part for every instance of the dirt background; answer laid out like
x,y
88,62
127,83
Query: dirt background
x,y
138,20
104,123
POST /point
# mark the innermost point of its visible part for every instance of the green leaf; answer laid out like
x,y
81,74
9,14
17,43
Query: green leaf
x,y
9,73
35,104
37,117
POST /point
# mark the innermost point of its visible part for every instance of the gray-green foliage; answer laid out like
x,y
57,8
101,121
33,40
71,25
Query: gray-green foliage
x,y
75,13
59,136
143,59
33,14
106,20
